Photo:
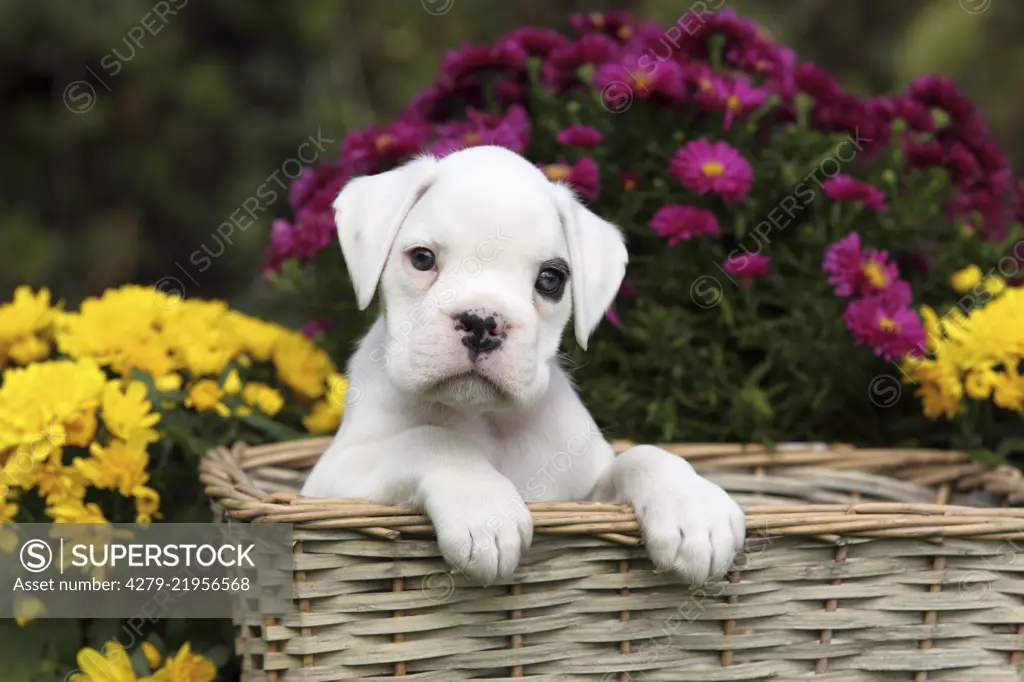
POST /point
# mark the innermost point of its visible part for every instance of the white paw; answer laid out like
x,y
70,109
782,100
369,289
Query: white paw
x,y
691,527
482,525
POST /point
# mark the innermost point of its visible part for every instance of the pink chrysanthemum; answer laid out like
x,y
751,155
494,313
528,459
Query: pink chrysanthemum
x,y
584,177
748,266
317,326
580,136
703,167
682,223
630,181
845,188
853,271
735,98
893,331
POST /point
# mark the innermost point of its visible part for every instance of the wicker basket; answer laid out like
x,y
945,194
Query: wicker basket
x,y
861,565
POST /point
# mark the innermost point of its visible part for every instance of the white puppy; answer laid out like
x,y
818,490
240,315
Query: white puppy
x,y
456,403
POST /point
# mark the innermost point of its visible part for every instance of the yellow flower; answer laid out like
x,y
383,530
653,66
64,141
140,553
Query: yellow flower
x,y
186,666
58,483
979,384
205,395
1008,391
80,430
168,382
994,284
152,655
26,326
964,280
113,665
147,502
120,466
128,414
76,511
232,383
302,365
266,399
122,329
8,538
34,414
974,353
324,417
258,336
28,609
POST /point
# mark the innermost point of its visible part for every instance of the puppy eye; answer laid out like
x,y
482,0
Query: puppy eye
x,y
550,282
422,259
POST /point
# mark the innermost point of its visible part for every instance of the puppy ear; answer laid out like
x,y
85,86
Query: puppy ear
x,y
597,255
368,212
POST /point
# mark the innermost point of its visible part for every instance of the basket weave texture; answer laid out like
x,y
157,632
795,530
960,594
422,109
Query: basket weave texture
x,y
860,565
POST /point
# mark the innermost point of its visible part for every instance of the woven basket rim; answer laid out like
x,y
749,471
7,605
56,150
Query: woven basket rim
x,y
224,471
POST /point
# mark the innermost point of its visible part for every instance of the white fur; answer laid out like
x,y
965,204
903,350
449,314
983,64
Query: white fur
x,y
470,442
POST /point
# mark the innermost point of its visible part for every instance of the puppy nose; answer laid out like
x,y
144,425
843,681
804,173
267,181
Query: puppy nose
x,y
482,331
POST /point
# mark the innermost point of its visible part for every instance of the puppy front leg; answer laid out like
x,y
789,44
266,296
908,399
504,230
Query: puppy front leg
x,y
482,523
690,526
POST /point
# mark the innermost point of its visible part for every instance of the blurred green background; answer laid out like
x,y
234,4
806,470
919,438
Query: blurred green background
x,y
132,129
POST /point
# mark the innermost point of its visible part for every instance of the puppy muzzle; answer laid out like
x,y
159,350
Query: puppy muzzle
x,y
482,331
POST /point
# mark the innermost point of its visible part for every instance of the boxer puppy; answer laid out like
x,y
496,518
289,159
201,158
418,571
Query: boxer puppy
x,y
457,405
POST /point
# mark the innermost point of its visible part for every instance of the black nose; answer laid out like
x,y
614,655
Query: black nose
x,y
482,332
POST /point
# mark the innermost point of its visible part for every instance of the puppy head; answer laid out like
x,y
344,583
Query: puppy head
x,y
480,261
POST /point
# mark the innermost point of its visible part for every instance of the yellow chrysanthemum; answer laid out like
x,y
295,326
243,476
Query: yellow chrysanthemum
x,y
120,466
26,327
152,654
147,504
206,395
186,666
76,511
121,329
58,483
964,280
302,365
232,383
267,400
974,353
32,410
128,413
112,665
324,417
257,335
8,538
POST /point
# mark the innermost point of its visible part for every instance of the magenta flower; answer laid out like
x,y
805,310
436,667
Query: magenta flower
x,y
643,79
735,98
612,316
317,326
853,271
845,188
962,165
922,153
536,42
584,177
892,330
816,81
580,136
747,266
456,64
398,140
740,99
560,70
703,167
682,223
510,130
